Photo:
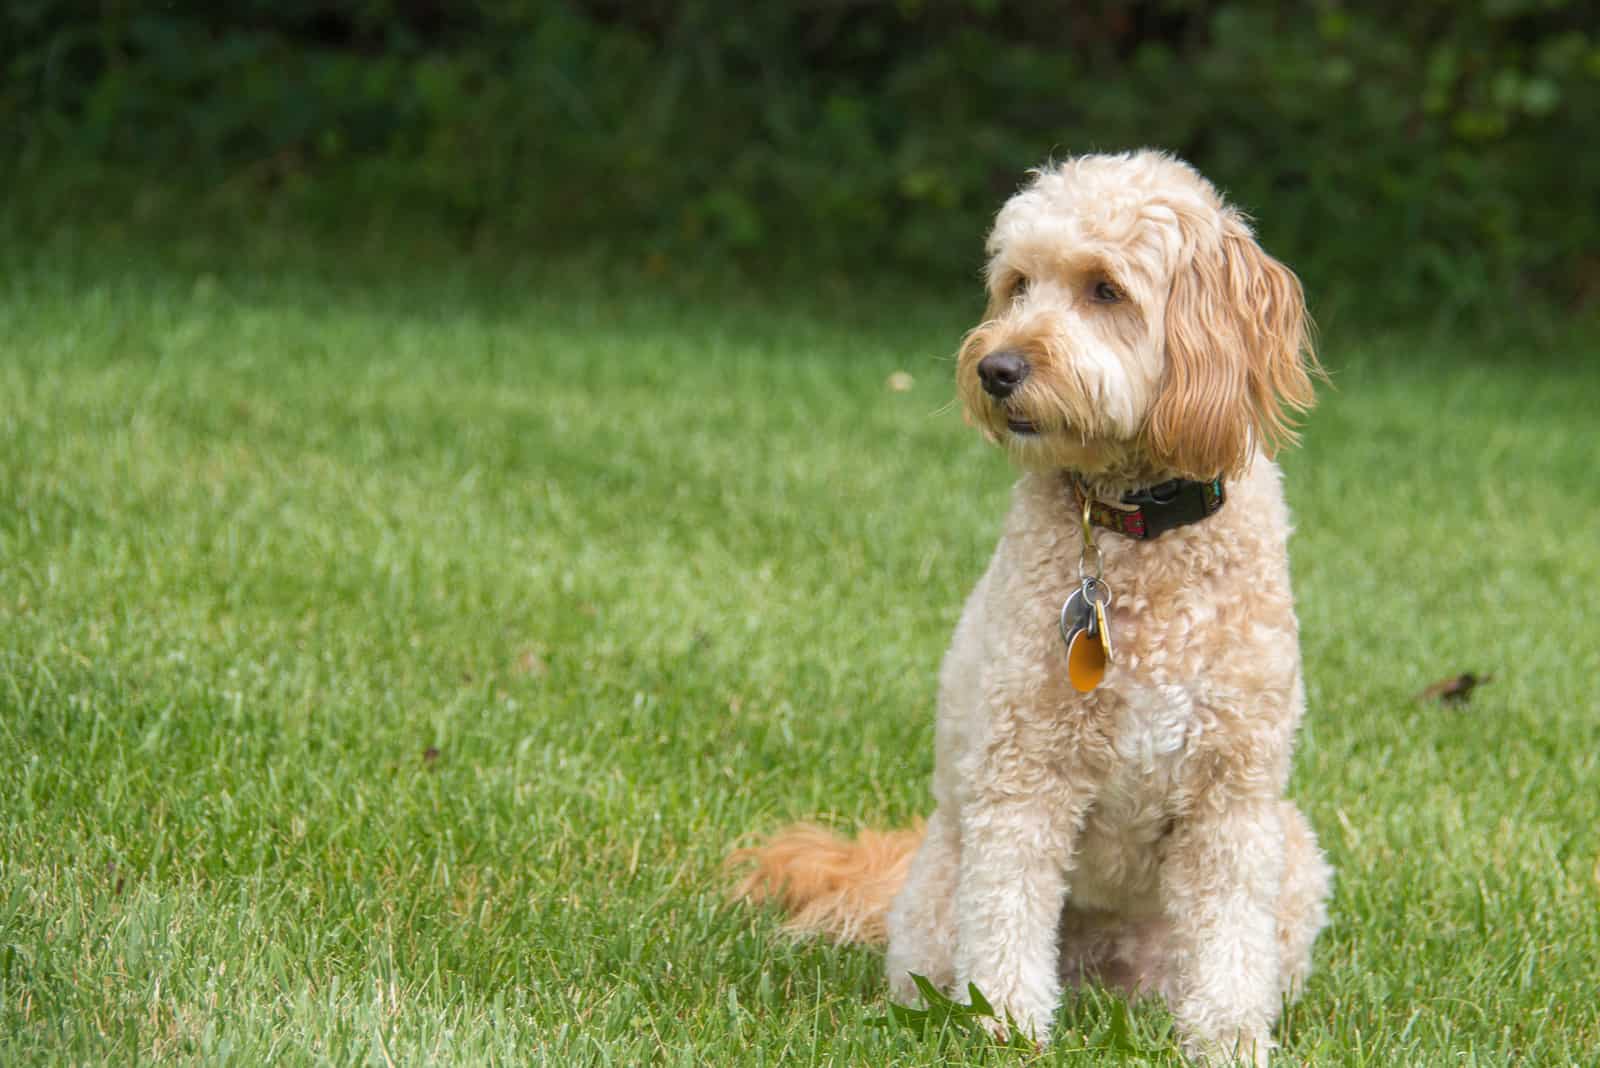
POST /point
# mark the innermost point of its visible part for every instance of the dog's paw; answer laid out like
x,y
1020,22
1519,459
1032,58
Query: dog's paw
x,y
997,1029
1229,1051
903,990
1011,1016
1007,1030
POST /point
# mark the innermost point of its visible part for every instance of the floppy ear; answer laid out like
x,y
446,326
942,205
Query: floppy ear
x,y
1239,359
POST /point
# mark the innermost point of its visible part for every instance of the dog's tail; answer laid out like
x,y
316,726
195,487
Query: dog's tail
x,y
829,885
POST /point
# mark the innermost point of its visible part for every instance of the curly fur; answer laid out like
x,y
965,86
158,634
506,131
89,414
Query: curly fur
x,y
1136,834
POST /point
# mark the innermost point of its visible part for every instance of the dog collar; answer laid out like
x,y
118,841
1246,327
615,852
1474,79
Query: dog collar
x,y
1158,509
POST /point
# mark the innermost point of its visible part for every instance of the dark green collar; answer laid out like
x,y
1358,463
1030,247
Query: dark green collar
x,y
1158,509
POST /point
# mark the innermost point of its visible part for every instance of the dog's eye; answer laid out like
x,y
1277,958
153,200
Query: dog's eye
x,y
1106,293
1019,287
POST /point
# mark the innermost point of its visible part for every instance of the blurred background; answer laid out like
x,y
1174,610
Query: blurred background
x,y
1407,157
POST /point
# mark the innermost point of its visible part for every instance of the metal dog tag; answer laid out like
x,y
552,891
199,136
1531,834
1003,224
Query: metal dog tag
x,y
1076,615
1087,634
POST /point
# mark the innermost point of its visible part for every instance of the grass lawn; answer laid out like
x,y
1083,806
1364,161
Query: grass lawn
x,y
391,649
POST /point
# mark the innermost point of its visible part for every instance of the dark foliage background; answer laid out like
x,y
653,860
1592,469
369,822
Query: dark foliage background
x,y
1422,153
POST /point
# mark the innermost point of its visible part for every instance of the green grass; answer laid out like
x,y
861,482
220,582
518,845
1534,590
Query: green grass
x,y
648,566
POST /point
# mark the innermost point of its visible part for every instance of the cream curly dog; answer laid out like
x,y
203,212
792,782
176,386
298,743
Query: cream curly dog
x,y
1140,359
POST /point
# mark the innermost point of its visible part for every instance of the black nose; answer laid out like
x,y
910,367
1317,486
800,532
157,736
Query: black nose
x,y
1002,372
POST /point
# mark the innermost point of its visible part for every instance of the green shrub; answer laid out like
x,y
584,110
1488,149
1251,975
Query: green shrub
x,y
1427,152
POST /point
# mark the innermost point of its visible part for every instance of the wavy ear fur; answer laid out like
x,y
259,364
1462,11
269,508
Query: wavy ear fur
x,y
1239,358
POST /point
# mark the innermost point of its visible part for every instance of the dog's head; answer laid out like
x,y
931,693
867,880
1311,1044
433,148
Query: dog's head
x,y
1134,323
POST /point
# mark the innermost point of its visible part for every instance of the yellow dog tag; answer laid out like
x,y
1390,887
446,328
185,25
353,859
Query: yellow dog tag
x,y
1087,634
1086,661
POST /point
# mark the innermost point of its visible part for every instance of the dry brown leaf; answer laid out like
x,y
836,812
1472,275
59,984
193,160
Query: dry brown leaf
x,y
1455,690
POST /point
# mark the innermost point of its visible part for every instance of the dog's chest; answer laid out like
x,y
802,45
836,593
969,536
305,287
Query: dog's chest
x,y
1150,736
1150,729
1119,853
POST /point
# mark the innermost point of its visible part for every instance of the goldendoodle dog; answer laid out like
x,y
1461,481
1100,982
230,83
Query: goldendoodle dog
x,y
1118,707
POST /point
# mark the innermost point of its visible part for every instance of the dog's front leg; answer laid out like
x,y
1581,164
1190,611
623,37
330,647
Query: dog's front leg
x,y
1015,860
1220,885
921,928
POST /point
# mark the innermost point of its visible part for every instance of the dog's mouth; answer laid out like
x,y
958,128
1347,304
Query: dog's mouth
x,y
1024,428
